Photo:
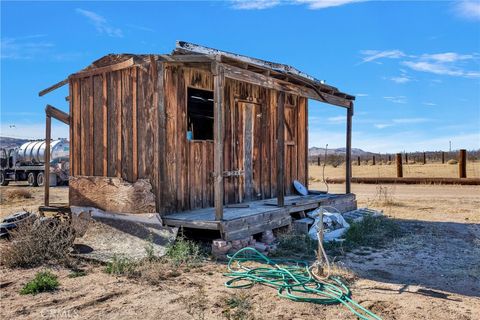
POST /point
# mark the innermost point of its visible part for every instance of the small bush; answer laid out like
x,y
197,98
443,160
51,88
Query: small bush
x,y
371,231
77,273
184,251
44,281
295,245
238,307
121,266
452,161
17,194
37,242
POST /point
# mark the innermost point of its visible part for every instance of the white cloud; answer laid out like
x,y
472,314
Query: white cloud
x,y
254,4
431,104
27,47
401,79
372,55
382,125
337,119
311,4
411,120
361,95
396,99
100,23
322,4
440,68
447,57
468,9
141,28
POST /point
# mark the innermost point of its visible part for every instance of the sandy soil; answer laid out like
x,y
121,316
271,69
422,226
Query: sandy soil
x,y
433,272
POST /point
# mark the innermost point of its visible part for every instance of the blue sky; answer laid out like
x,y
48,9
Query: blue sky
x,y
414,66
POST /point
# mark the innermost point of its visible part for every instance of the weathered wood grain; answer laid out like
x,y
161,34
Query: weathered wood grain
x,y
112,194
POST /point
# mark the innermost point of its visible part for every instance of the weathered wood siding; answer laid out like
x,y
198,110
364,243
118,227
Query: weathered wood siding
x,y
125,125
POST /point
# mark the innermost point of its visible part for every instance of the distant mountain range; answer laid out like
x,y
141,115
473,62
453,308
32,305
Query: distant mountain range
x,y
315,152
7,142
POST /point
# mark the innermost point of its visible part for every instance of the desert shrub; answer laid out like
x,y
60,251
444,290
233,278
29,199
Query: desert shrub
x,y
452,161
76,273
238,307
43,281
184,251
389,163
17,194
121,266
295,245
36,242
371,231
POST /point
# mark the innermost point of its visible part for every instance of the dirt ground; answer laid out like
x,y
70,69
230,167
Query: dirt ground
x,y
433,272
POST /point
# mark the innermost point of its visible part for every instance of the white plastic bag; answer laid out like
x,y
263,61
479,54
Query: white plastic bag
x,y
334,225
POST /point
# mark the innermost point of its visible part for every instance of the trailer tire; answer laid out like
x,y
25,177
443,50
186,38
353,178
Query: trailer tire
x,y
3,182
32,179
40,179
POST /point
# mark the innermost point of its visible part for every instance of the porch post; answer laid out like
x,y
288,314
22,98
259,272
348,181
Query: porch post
x,y
218,133
348,151
281,149
46,179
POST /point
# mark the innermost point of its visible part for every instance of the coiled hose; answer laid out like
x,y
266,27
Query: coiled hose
x,y
293,280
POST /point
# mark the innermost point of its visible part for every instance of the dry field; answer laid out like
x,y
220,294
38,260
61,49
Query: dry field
x,y
432,272
431,170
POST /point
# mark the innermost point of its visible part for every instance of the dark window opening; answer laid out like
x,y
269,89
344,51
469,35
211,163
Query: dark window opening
x,y
199,114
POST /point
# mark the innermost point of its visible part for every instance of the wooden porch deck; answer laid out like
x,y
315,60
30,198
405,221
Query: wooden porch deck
x,y
260,215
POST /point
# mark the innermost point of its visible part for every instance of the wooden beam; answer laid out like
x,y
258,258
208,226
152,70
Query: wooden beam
x,y
281,149
53,112
218,133
113,67
398,162
46,179
54,87
239,74
105,124
348,151
462,163
134,124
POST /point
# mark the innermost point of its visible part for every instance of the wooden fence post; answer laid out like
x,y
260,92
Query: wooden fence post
x,y
373,160
406,158
424,158
443,157
389,157
462,163
358,160
398,161
318,161
46,174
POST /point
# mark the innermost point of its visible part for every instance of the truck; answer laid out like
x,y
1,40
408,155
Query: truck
x,y
27,163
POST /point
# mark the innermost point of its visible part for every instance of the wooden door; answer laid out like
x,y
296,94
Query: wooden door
x,y
246,142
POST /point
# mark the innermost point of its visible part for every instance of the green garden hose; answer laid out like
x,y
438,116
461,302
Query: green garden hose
x,y
292,279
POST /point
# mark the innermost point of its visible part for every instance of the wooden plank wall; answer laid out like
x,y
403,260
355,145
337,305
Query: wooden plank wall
x,y
125,126
115,125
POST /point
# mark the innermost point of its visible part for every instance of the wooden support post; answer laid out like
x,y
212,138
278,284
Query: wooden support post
x,y
398,161
218,133
281,149
406,158
373,160
424,158
389,157
348,151
46,179
443,157
462,163
358,160
318,161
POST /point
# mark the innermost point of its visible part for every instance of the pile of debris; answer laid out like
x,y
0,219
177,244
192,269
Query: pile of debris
x,y
220,248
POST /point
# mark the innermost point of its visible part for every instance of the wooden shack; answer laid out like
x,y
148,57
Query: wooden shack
x,y
220,138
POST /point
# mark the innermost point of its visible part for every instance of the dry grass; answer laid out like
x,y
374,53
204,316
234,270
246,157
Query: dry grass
x,y
37,242
16,194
